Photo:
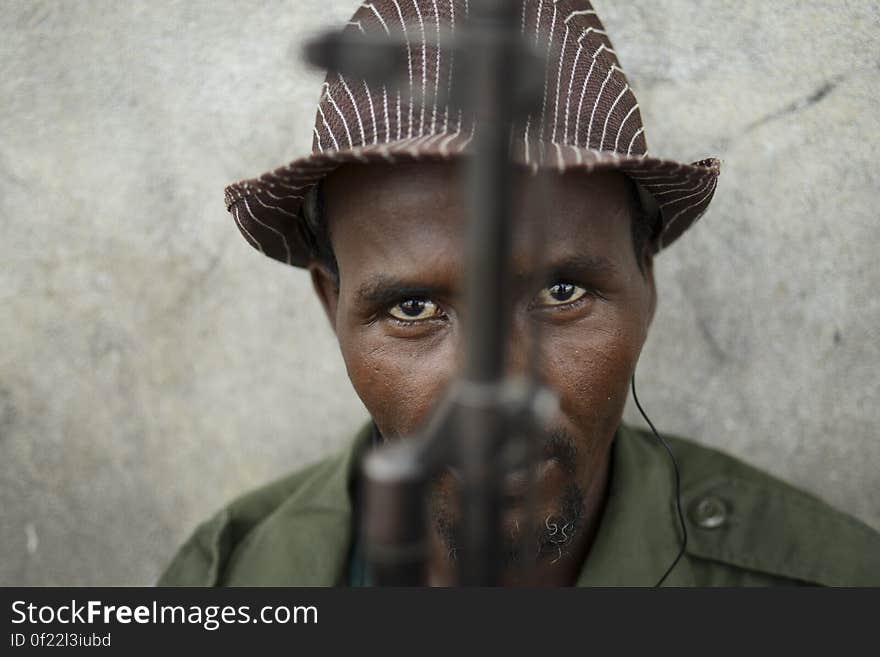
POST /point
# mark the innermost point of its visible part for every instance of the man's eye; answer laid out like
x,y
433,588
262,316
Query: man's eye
x,y
559,294
414,310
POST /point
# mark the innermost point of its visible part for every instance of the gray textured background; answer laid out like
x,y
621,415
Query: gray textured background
x,y
153,365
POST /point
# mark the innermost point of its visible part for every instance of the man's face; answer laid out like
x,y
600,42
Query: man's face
x,y
399,315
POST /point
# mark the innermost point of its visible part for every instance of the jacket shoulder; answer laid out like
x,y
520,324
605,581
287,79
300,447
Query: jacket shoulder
x,y
747,520
203,559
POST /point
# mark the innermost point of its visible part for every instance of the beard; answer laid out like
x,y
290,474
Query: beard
x,y
551,527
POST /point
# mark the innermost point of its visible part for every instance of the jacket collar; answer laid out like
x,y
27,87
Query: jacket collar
x,y
638,534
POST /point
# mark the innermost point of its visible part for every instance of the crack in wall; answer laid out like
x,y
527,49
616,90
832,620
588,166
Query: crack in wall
x,y
798,105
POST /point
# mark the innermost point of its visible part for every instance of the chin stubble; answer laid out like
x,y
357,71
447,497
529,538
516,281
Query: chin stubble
x,y
551,534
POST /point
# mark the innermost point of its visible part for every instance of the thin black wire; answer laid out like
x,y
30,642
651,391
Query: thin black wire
x,y
684,533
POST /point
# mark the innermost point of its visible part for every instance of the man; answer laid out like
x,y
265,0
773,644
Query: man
x,y
376,215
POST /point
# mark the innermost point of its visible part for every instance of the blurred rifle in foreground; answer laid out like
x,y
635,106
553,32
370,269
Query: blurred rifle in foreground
x,y
486,424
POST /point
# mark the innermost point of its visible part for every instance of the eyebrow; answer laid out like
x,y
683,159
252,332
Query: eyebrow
x,y
384,290
579,264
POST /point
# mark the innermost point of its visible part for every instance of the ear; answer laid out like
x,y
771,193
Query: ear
x,y
648,265
327,288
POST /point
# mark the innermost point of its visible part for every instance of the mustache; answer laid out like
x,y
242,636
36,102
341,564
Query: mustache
x,y
557,444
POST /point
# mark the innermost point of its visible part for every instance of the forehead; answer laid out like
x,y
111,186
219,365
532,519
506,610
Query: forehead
x,y
411,217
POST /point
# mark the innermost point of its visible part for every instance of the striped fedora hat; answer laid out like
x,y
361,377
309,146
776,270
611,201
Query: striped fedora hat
x,y
588,120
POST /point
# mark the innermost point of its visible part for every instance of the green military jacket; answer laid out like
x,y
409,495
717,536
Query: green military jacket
x,y
745,528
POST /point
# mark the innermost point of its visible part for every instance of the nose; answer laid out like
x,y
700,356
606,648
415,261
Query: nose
x,y
519,346
518,352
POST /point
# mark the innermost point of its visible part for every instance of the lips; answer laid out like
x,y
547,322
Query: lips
x,y
515,484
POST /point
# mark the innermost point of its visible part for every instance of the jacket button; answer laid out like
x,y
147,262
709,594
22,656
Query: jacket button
x,y
709,512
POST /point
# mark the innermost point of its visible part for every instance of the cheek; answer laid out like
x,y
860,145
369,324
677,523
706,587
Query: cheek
x,y
398,380
591,369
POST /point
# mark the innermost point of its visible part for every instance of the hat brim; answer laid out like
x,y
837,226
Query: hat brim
x,y
268,209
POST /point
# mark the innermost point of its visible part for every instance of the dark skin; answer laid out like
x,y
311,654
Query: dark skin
x,y
398,313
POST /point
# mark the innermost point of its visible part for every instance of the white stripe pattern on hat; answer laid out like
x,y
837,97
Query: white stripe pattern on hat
x,y
589,121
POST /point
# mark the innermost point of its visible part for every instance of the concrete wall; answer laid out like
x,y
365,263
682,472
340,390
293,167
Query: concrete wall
x,y
153,365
